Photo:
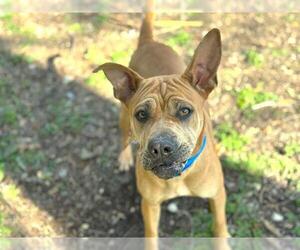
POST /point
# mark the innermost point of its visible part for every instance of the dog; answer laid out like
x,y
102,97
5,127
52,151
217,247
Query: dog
x,y
164,109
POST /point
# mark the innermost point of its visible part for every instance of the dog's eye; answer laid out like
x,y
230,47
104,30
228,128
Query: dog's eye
x,y
141,116
184,113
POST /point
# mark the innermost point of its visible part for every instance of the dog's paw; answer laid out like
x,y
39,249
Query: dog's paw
x,y
125,159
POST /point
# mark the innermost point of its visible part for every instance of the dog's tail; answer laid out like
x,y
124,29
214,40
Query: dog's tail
x,y
146,33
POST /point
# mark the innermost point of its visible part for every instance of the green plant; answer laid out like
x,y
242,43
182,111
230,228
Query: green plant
x,y
292,149
24,31
64,117
230,138
2,171
279,52
296,231
247,97
8,115
93,55
5,231
95,80
121,57
76,28
181,38
10,191
254,58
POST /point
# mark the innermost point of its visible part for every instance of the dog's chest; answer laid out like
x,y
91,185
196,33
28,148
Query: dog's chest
x,y
177,189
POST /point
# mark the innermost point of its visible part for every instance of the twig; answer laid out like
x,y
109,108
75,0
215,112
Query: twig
x,y
265,104
271,227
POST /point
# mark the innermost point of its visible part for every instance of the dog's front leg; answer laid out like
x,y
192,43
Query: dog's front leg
x,y
151,215
217,205
125,157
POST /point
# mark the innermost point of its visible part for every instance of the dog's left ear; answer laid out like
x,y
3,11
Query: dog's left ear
x,y
202,71
125,81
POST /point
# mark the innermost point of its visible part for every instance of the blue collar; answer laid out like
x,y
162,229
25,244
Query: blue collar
x,y
193,158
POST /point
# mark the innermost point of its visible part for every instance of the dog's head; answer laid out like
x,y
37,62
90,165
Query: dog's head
x,y
166,112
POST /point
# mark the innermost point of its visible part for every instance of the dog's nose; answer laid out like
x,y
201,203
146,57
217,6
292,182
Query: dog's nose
x,y
162,146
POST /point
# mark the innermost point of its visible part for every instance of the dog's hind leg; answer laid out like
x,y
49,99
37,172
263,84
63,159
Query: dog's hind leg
x,y
125,157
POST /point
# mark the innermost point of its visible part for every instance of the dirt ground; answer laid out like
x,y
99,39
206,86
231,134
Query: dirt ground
x,y
59,135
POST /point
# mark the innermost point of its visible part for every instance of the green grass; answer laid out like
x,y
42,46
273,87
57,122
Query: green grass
x,y
79,24
76,28
121,56
8,115
93,55
180,39
254,58
15,60
64,117
279,52
2,171
292,149
28,32
260,164
202,225
230,138
238,157
247,97
5,231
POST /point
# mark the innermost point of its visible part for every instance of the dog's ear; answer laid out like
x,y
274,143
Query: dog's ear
x,y
202,71
125,81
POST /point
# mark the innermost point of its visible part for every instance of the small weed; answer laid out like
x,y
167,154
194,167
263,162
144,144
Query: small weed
x,y
63,117
25,31
121,57
99,81
5,231
181,38
254,58
289,17
8,115
10,192
93,55
296,231
49,129
259,164
31,159
241,213
76,28
2,171
249,96
292,149
230,138
280,52
202,221
202,225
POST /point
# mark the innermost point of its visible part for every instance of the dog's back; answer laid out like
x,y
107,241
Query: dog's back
x,y
153,58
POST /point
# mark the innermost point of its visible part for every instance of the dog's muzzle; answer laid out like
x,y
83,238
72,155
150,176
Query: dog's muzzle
x,y
165,156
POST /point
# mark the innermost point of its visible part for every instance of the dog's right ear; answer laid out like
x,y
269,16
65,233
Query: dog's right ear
x,y
125,81
202,71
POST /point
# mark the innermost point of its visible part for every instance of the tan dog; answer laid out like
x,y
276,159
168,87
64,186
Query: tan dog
x,y
164,109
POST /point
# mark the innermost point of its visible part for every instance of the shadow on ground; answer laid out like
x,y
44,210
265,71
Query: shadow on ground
x,y
59,144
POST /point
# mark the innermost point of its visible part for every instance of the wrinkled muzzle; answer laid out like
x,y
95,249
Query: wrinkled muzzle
x,y
165,155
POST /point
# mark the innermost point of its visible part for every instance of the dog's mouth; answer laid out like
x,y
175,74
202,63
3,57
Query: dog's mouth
x,y
168,171
170,167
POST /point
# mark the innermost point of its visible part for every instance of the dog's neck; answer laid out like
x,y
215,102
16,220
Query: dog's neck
x,y
190,161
